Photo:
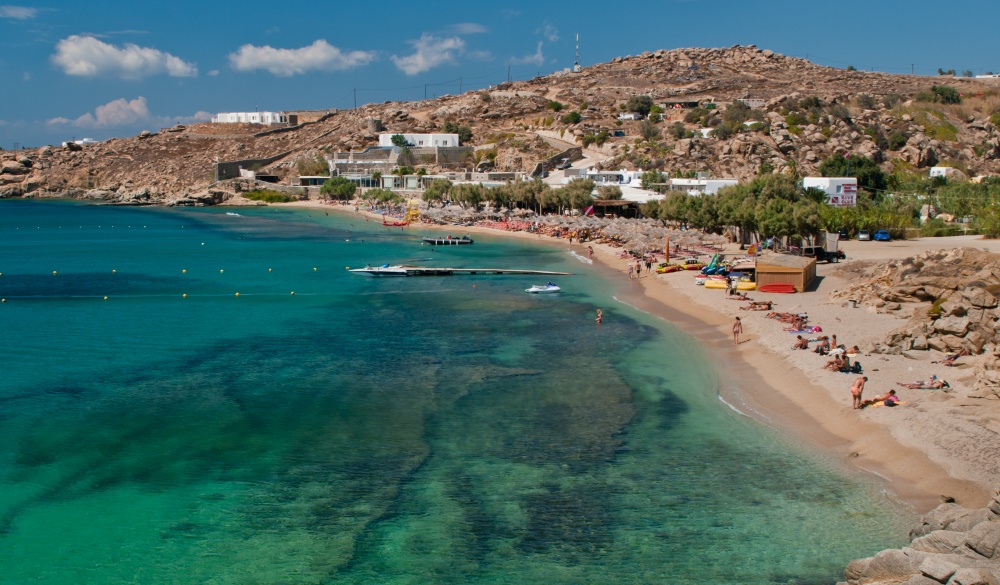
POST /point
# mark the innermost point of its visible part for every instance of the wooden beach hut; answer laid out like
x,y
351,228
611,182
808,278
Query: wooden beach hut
x,y
797,271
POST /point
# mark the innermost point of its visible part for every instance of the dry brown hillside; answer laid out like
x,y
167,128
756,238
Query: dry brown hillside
x,y
810,112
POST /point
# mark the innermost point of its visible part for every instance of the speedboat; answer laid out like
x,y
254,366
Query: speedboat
x,y
546,288
383,270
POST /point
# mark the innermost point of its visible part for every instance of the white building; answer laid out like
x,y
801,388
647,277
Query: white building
x,y
752,103
630,116
699,186
421,140
840,191
250,118
949,173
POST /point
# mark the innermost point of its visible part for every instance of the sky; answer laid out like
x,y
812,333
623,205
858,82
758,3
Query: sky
x,y
73,69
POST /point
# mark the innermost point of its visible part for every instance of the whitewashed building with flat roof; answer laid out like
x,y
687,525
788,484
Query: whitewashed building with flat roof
x,y
840,191
421,140
250,118
700,186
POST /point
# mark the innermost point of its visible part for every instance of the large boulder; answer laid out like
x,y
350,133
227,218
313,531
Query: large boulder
x,y
952,325
984,538
939,541
938,569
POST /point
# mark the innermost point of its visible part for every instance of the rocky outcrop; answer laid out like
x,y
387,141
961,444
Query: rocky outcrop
x,y
952,545
951,297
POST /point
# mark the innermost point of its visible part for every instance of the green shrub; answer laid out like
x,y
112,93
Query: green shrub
x,y
810,102
946,94
865,101
897,140
995,119
796,119
760,127
571,118
554,106
269,196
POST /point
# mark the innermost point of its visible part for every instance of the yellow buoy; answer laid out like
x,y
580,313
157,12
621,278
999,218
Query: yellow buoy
x,y
105,298
113,271
184,271
3,300
314,269
268,269
237,294
185,295
293,293
221,271
54,272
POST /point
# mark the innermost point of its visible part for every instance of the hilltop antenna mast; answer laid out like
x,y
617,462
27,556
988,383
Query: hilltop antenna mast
x,y
576,64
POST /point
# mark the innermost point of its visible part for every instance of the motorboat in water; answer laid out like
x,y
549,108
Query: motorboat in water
x,y
543,288
383,270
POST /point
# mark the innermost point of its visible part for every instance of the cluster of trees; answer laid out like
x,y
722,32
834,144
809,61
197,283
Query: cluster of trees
x,y
534,195
464,132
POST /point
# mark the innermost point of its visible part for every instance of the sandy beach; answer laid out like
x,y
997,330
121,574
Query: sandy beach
x,y
938,444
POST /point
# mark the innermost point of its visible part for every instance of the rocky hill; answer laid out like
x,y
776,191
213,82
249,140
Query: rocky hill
x,y
809,112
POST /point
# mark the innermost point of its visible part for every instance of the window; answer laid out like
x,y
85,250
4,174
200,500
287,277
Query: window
x,y
840,188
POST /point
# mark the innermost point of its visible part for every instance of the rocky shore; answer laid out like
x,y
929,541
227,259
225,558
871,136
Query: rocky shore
x,y
952,545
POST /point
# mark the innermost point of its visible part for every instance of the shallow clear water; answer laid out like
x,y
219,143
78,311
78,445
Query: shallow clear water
x,y
413,430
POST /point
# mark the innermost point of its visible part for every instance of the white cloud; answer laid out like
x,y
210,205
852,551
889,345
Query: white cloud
x,y
319,56
26,76
430,52
536,59
468,28
18,12
89,57
549,32
122,112
213,73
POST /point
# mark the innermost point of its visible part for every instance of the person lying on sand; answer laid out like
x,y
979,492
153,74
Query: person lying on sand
x,y
757,306
888,399
834,364
740,297
801,343
932,385
950,360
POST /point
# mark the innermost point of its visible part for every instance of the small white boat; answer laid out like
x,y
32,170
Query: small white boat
x,y
383,270
542,289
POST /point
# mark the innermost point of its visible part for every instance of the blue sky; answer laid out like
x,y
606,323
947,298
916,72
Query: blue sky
x,y
104,69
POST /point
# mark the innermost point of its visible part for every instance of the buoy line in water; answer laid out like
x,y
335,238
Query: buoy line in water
x,y
164,296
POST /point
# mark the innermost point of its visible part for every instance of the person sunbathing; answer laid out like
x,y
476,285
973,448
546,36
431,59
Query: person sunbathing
x,y
934,384
950,360
824,345
888,399
801,343
834,364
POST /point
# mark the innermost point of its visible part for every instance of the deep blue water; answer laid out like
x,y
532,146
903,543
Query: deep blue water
x,y
412,430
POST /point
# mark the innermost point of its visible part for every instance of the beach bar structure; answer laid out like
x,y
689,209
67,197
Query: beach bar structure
x,y
798,271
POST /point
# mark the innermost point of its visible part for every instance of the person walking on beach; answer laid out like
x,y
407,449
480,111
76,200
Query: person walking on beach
x,y
856,389
630,270
737,329
590,252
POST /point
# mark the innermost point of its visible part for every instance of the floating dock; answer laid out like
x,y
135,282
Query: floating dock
x,y
403,270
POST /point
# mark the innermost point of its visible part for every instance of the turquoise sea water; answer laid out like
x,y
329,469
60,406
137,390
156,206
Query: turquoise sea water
x,y
413,430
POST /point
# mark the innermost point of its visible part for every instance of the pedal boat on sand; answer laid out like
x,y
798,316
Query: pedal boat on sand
x,y
547,288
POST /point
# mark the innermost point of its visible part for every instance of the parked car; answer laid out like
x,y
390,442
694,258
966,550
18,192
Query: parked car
x,y
864,236
843,235
564,164
882,236
822,255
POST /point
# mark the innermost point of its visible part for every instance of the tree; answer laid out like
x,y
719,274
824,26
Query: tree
x,y
609,192
383,196
640,104
464,132
867,171
648,130
339,188
315,166
399,140
436,191
578,194
679,131
946,94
